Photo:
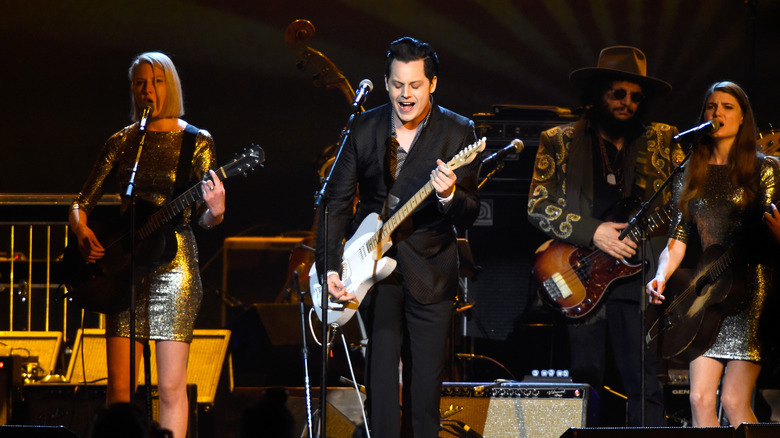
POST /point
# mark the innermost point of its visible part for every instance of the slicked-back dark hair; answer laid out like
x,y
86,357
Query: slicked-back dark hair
x,y
408,49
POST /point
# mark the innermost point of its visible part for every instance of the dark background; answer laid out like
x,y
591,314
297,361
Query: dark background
x,y
65,88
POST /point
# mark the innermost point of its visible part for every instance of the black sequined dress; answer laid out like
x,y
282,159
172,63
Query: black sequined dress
x,y
721,215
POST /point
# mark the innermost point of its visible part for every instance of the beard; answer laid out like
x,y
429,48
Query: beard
x,y
602,117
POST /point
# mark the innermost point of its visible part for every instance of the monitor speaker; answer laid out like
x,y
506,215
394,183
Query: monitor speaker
x,y
343,409
758,430
36,432
650,432
75,406
204,366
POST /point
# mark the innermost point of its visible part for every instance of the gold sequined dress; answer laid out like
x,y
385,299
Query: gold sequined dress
x,y
168,297
721,216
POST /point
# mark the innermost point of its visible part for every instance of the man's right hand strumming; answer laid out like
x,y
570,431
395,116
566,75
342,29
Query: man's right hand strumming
x,y
337,288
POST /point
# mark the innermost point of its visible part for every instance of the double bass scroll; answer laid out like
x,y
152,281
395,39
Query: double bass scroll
x,y
325,73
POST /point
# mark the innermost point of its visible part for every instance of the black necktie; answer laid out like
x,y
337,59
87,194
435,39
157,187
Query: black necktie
x,y
391,158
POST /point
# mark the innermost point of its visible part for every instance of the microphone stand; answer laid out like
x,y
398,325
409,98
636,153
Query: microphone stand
x,y
499,167
296,285
321,201
640,220
130,194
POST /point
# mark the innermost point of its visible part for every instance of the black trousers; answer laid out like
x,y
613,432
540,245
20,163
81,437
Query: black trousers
x,y
401,329
617,324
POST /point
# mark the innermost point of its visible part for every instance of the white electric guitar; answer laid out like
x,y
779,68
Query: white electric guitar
x,y
363,264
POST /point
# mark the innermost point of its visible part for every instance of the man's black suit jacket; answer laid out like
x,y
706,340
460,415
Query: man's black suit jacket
x,y
425,245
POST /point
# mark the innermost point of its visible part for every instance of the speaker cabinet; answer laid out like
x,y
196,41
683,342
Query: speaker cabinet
x,y
255,268
40,349
75,406
204,365
651,432
36,432
502,240
758,430
532,410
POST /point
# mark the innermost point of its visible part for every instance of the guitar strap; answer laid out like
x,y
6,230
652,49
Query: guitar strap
x,y
182,179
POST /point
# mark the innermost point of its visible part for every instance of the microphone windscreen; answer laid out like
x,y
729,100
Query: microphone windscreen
x,y
715,125
366,83
518,145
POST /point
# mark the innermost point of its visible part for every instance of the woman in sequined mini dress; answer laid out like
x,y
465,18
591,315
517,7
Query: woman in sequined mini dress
x,y
722,195
169,296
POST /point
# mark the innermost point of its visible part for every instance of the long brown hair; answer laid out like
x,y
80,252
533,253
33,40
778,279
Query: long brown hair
x,y
742,156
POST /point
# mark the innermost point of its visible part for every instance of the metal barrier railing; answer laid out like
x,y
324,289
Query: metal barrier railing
x,y
33,238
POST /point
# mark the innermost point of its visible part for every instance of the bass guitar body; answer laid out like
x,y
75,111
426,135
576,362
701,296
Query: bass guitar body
x,y
576,279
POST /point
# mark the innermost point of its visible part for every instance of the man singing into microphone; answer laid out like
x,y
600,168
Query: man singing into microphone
x,y
393,151
581,171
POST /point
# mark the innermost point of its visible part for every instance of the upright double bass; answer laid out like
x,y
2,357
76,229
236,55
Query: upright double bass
x,y
324,73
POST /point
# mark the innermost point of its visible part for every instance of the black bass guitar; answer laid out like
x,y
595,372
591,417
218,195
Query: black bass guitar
x,y
104,286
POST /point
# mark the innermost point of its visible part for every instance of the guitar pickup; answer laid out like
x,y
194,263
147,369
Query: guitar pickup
x,y
335,304
559,284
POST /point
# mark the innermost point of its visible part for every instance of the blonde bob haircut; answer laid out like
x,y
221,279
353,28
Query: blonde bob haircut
x,y
174,100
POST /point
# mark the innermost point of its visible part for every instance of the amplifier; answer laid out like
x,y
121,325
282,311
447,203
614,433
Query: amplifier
x,y
502,240
524,122
534,410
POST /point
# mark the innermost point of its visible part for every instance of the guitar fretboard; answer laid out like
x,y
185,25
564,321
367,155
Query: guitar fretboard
x,y
170,211
720,265
656,220
462,158
399,216
249,159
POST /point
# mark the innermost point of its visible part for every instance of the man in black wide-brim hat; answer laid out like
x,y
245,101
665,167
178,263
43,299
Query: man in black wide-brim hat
x,y
582,170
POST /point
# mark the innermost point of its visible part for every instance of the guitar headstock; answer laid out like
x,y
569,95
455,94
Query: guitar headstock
x,y
467,154
249,159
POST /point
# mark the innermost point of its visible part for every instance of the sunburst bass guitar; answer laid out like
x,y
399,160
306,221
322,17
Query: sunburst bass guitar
x,y
574,280
363,263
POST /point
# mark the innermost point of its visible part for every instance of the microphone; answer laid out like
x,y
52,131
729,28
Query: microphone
x,y
364,88
704,128
515,147
145,113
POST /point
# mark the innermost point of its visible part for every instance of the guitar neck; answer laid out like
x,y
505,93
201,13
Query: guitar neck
x,y
171,210
721,264
246,161
465,156
399,216
656,220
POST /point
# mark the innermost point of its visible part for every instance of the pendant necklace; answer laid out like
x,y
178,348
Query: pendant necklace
x,y
610,174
